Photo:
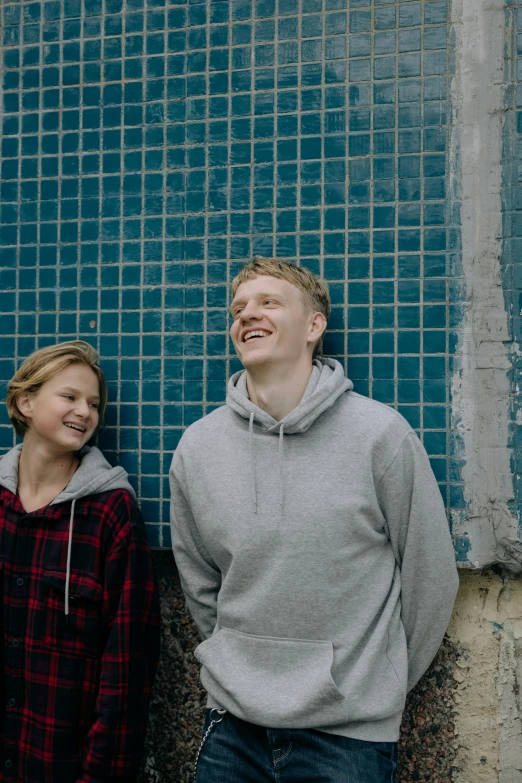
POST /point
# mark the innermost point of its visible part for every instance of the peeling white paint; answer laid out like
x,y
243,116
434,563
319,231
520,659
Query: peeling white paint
x,y
481,411
487,626
510,746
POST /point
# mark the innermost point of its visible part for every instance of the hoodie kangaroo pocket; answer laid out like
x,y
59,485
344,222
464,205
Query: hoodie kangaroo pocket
x,y
280,683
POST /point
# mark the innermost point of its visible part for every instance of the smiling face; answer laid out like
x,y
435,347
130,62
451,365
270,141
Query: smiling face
x,y
272,323
63,414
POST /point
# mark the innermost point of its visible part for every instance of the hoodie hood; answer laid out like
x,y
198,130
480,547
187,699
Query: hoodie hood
x,y
94,474
327,383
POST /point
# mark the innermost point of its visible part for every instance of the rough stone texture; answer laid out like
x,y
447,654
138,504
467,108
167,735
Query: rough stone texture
x,y
177,707
427,745
427,742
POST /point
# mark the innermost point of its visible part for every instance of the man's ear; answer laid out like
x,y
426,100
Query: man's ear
x,y
316,328
24,404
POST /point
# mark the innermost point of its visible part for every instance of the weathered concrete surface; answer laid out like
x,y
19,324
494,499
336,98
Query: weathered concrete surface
x,y
487,626
481,407
427,745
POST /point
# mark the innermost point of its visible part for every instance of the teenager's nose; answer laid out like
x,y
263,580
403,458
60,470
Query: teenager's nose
x,y
82,408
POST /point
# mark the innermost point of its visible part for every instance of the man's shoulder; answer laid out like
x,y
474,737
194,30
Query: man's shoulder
x,y
211,425
376,417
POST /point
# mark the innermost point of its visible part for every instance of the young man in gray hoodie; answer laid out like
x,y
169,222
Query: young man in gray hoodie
x,y
313,549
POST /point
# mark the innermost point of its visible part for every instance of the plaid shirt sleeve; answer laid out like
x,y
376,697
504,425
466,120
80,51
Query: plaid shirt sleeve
x,y
130,607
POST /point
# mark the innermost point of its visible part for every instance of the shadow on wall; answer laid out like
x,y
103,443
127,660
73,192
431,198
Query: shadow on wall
x,y
427,744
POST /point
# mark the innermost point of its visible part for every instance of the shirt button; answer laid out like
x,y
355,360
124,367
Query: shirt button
x,y
15,642
12,702
8,763
19,582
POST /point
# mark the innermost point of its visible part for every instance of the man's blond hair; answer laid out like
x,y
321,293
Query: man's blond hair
x,y
41,366
313,288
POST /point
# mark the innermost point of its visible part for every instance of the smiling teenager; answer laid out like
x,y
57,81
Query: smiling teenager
x,y
313,549
80,617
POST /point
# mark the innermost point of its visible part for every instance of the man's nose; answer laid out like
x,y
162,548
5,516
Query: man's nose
x,y
249,311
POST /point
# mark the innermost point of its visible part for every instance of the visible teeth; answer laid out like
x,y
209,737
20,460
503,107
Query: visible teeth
x,y
257,333
74,427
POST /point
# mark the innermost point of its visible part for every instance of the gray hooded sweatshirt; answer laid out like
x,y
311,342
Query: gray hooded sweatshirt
x,y
315,557
93,475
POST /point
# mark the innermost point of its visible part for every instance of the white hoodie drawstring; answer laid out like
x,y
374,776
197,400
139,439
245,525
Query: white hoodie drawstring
x,y
281,469
69,549
252,461
253,464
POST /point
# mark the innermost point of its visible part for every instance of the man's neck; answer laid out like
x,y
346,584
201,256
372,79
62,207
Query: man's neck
x,y
278,390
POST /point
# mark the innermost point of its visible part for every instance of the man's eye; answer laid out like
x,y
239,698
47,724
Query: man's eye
x,y
68,396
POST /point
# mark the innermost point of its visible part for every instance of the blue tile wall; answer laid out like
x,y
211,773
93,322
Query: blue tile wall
x,y
150,148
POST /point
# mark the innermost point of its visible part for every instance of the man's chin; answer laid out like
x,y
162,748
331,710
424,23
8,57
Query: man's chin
x,y
255,360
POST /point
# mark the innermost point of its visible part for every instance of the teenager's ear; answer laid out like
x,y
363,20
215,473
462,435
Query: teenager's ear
x,y
24,404
316,328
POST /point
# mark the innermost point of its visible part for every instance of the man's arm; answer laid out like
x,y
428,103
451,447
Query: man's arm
x,y
200,577
419,533
113,747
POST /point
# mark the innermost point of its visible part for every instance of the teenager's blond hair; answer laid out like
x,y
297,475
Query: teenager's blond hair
x,y
42,365
313,288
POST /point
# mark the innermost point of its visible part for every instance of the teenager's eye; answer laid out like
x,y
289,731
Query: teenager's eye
x,y
238,312
95,405
68,396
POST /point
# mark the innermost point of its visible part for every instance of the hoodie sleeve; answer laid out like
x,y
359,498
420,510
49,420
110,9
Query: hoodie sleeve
x,y
419,533
199,575
114,744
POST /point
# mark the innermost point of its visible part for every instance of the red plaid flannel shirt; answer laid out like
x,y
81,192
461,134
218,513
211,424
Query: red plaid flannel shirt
x,y
75,690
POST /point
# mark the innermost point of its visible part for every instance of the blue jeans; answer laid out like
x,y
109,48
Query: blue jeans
x,y
239,752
